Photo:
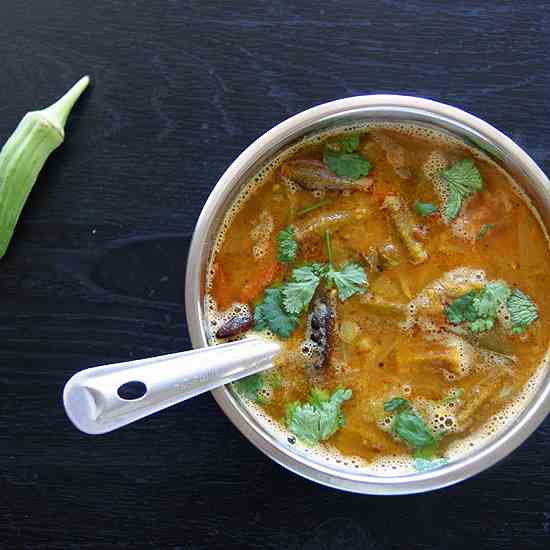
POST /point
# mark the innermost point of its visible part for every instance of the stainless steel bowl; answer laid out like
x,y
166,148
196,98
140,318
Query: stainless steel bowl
x,y
373,107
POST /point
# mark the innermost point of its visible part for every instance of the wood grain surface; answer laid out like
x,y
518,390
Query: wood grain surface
x,y
95,273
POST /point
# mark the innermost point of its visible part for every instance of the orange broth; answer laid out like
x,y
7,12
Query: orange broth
x,y
384,355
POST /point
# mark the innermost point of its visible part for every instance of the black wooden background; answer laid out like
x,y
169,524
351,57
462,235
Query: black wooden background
x,y
95,273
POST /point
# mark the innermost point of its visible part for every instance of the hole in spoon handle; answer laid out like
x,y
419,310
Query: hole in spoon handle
x,y
131,391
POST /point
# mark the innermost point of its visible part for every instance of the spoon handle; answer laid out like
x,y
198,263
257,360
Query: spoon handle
x,y
102,399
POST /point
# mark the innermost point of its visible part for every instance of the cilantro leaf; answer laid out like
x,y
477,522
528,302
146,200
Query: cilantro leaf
x,y
270,313
351,279
462,309
349,143
298,293
318,395
250,386
462,180
478,308
490,298
319,418
481,325
260,321
349,165
395,404
409,426
425,208
287,247
523,311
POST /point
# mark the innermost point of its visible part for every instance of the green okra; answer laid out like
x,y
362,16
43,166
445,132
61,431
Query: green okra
x,y
25,153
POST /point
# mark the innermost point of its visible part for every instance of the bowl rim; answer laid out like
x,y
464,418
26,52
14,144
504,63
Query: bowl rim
x,y
439,114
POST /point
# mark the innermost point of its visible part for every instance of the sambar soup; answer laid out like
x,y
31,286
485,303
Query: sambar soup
x,y
404,274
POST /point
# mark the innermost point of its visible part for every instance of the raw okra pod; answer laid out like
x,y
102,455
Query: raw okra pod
x,y
25,153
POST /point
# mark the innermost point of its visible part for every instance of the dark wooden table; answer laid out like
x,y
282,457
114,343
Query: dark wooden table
x,y
95,273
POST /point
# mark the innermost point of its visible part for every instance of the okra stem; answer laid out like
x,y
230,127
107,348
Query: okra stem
x,y
59,111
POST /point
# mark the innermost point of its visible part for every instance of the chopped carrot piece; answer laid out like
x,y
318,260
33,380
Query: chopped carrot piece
x,y
221,289
263,273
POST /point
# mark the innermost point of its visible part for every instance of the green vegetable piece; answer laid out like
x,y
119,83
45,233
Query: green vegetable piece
x,y
395,403
287,246
25,153
485,228
298,293
425,464
349,165
250,387
523,311
314,206
270,314
404,224
409,426
319,418
425,208
462,180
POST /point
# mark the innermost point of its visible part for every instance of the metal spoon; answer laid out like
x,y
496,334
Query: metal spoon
x,y
102,399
